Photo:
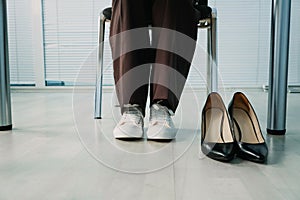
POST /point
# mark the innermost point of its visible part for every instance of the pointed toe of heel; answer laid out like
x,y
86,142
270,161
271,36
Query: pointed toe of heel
x,y
253,152
218,151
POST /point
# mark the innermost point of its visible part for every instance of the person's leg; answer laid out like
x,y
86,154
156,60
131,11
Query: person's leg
x,y
130,15
180,16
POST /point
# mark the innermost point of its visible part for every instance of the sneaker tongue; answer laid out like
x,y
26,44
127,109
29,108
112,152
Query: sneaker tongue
x,y
160,107
133,109
133,113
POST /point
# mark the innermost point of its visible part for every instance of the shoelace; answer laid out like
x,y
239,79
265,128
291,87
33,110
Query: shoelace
x,y
160,114
132,115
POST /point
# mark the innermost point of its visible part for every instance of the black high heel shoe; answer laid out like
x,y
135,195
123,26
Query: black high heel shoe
x,y
217,139
250,141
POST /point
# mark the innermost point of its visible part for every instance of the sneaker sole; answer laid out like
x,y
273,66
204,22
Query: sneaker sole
x,y
163,140
162,137
128,139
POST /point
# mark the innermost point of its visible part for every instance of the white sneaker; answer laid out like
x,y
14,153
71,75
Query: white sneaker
x,y
131,125
161,126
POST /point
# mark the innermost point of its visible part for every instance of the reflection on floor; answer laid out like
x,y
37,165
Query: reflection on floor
x,y
58,151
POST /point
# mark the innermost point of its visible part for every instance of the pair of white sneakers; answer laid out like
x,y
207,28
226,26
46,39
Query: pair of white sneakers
x,y
131,125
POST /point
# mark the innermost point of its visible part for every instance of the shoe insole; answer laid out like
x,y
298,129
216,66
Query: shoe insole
x,y
217,125
246,127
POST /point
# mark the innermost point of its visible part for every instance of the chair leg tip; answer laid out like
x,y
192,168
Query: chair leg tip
x,y
6,128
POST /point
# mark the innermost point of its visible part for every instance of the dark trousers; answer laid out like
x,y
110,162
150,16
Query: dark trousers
x,y
132,65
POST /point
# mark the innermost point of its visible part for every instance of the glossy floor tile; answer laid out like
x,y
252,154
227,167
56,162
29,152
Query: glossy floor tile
x,y
58,151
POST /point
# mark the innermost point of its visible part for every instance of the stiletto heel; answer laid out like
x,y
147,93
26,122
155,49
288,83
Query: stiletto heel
x,y
217,139
250,141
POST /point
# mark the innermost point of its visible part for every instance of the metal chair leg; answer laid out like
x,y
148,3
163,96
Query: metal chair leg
x,y
99,79
5,97
212,49
279,63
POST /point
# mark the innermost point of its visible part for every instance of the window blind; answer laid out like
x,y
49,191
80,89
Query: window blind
x,y
70,28
294,59
70,40
21,56
244,42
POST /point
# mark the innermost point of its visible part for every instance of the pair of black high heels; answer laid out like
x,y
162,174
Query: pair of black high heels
x,y
233,133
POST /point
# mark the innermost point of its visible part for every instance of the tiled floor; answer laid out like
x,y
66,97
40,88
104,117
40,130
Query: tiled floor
x,y
58,151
